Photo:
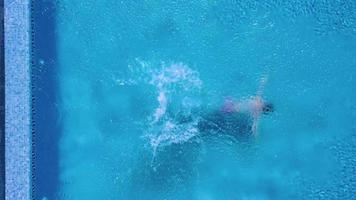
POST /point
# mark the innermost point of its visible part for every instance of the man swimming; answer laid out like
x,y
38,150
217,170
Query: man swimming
x,y
238,119
234,118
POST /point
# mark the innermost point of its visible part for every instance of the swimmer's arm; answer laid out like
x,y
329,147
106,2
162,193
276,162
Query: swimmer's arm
x,y
262,85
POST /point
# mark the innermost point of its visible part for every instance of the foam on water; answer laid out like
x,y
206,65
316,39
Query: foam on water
x,y
176,87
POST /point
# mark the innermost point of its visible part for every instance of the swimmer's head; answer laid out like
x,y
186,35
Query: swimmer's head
x,y
268,108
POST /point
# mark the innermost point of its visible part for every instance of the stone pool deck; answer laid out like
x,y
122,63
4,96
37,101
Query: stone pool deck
x,y
17,99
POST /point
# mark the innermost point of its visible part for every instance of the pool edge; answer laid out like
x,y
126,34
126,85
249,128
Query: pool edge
x,y
17,99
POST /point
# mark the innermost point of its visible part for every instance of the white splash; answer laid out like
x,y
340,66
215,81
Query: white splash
x,y
161,110
177,87
177,73
173,133
176,76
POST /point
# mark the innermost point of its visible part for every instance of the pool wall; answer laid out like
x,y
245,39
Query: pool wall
x,y
17,99
44,73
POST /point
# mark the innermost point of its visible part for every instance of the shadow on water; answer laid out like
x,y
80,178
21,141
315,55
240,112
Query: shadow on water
x,y
172,171
47,125
169,173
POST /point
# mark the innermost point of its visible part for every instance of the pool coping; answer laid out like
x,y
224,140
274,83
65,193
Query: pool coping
x,y
17,99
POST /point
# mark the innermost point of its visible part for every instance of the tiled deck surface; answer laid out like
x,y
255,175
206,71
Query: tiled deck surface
x,y
17,99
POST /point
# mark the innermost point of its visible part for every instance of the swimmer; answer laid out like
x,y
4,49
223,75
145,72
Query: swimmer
x,y
235,116
238,119
254,106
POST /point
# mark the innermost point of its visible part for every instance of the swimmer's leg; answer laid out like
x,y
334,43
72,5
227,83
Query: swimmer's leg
x,y
255,126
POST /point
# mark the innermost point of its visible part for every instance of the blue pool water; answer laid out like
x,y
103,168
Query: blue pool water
x,y
115,76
